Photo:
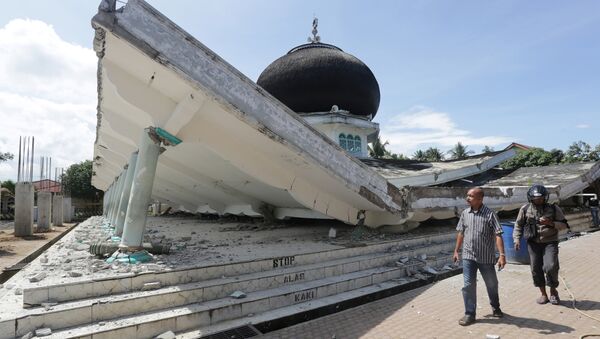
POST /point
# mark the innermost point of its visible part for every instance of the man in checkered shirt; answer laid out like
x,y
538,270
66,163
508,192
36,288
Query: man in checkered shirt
x,y
479,235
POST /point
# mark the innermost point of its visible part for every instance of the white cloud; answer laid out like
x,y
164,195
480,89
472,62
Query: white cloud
x,y
583,126
422,127
47,90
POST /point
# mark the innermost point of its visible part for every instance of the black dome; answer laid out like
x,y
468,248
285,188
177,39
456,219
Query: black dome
x,y
315,76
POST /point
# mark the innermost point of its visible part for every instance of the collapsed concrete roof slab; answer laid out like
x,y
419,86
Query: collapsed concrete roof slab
x,y
418,173
241,148
506,193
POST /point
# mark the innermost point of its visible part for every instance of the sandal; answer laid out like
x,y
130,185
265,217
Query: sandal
x,y
542,300
554,299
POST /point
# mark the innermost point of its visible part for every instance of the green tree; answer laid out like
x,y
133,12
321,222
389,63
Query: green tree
x,y
395,156
419,155
459,152
533,158
487,149
377,148
8,184
6,156
434,154
581,151
77,181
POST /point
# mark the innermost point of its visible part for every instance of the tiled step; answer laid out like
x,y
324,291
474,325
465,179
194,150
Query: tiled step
x,y
136,282
212,312
292,314
107,308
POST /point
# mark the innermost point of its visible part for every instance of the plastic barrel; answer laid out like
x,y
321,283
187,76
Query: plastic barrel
x,y
514,257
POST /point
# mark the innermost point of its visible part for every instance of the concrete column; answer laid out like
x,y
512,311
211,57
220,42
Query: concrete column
x,y
105,199
141,191
67,215
23,209
57,210
122,212
117,198
44,202
111,200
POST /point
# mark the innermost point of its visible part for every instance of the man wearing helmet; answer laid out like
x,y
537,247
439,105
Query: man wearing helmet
x,y
540,222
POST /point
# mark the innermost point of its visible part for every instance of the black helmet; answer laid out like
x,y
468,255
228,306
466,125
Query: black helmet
x,y
537,191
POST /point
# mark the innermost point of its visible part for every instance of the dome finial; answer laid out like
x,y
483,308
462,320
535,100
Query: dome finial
x,y
315,38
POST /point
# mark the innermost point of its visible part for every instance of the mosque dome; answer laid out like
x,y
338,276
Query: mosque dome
x,y
316,76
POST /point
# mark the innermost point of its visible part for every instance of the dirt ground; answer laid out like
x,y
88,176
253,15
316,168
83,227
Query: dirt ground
x,y
14,249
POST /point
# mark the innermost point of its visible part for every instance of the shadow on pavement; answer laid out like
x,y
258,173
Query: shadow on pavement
x,y
544,327
582,305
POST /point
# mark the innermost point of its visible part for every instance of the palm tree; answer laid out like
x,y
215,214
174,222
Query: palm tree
x,y
487,149
459,152
419,155
377,149
434,154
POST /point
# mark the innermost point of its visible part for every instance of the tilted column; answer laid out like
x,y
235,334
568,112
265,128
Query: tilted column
x,y
117,198
141,191
126,191
23,209
105,200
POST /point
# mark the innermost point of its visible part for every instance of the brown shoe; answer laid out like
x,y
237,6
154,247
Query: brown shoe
x,y
466,320
542,300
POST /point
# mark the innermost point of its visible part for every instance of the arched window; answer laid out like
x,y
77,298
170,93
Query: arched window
x,y
343,141
357,145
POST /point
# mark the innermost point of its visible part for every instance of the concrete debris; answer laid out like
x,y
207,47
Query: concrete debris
x,y
9,286
29,335
44,260
399,264
38,277
81,247
423,256
48,305
420,276
492,336
238,295
332,233
447,267
18,291
430,269
166,335
151,286
404,260
42,332
74,274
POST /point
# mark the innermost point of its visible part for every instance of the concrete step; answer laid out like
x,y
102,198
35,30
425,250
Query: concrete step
x,y
125,304
285,316
130,282
212,312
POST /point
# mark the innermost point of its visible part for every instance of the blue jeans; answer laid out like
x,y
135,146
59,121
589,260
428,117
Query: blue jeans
x,y
469,291
595,220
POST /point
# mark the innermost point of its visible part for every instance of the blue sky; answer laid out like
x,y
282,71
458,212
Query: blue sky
x,y
479,72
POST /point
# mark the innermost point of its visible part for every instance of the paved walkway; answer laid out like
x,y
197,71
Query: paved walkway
x,y
433,311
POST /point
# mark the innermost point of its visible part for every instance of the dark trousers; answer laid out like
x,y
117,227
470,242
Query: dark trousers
x,y
595,219
469,291
544,263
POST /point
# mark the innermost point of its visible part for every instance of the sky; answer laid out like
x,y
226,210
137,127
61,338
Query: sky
x,y
475,72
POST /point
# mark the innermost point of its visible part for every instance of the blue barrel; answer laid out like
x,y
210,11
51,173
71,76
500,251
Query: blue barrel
x,y
512,256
